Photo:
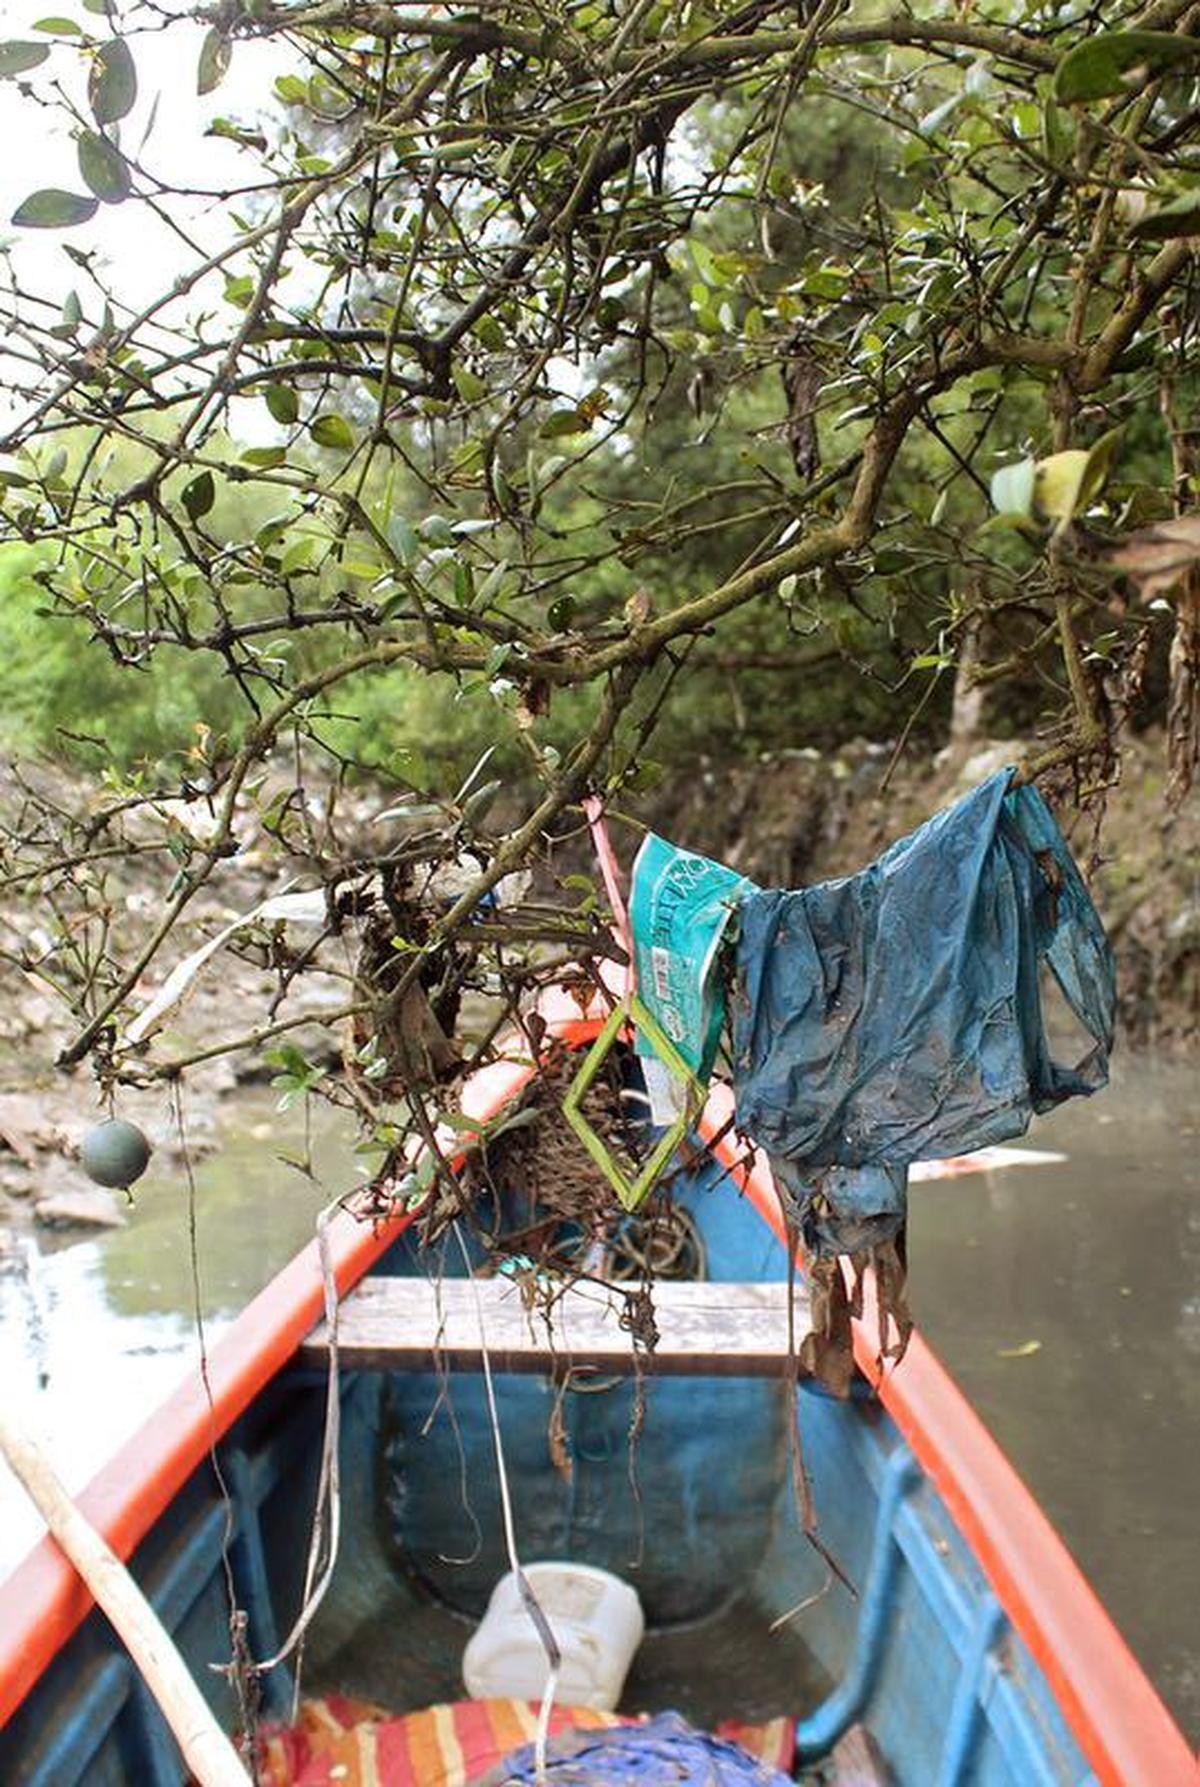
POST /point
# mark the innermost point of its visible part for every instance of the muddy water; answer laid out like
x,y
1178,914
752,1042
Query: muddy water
x,y
1095,1259
93,1333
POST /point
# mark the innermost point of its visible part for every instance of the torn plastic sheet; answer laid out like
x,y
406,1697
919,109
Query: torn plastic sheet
x,y
897,1015
680,908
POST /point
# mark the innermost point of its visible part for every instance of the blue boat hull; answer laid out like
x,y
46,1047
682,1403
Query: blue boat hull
x,y
924,1654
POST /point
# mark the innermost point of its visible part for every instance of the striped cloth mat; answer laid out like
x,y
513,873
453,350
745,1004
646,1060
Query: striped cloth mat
x,y
339,1742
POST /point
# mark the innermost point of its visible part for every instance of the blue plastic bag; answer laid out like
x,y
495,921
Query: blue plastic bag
x,y
896,1015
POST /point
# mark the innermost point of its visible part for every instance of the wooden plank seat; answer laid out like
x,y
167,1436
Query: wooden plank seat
x,y
704,1329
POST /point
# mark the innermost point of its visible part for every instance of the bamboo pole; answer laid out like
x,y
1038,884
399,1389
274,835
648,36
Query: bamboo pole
x,y
207,1751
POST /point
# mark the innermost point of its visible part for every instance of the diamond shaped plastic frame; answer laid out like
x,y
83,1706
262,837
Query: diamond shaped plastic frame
x,y
631,1192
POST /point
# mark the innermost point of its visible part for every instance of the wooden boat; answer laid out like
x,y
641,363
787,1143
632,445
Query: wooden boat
x,y
974,1651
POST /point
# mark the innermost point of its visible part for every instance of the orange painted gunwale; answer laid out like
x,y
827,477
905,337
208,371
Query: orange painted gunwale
x,y
1118,1720
1121,1725
43,1601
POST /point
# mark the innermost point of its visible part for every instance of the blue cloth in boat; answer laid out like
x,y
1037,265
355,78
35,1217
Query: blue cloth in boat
x,y
665,1751
897,1014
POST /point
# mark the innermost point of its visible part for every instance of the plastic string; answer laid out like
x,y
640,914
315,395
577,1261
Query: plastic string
x,y
593,808
327,1512
529,1600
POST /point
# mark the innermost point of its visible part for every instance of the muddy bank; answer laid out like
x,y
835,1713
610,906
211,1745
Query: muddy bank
x,y
44,1110
798,816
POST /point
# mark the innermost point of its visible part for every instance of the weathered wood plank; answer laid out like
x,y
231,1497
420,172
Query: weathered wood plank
x,y
736,1330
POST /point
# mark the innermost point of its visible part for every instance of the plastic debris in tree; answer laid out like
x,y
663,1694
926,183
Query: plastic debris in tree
x,y
630,1014
897,1015
681,909
630,1191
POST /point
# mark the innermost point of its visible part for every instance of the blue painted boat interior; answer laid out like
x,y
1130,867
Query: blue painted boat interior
x,y
923,1656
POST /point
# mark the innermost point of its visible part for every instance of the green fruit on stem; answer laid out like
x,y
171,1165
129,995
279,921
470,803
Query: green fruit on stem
x,y
115,1153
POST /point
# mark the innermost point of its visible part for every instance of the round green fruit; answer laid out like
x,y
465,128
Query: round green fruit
x,y
115,1153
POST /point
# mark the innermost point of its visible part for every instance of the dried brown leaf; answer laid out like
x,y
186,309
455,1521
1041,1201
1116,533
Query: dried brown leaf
x,y
1157,557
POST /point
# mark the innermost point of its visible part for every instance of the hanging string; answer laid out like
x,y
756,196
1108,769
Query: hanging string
x,y
326,1527
593,808
240,1677
529,1600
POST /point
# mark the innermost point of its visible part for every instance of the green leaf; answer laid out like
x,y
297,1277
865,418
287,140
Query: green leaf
x,y
215,52
104,169
478,804
291,89
18,57
645,776
1096,68
265,457
891,560
1012,488
825,282
198,496
1058,134
705,261
560,613
437,531
296,556
465,463
932,122
51,209
289,1059
470,387
391,605
1181,217
283,404
1100,459
490,587
332,431
1068,482
402,538
1059,483
112,83
59,27
562,422
489,334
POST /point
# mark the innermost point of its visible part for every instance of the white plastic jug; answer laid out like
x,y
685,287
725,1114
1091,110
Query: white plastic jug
x,y
597,1622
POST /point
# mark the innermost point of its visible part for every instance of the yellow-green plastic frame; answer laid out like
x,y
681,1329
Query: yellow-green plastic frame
x,y
631,1192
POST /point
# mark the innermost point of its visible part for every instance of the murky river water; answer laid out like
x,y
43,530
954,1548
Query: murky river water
x,y
1096,1259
